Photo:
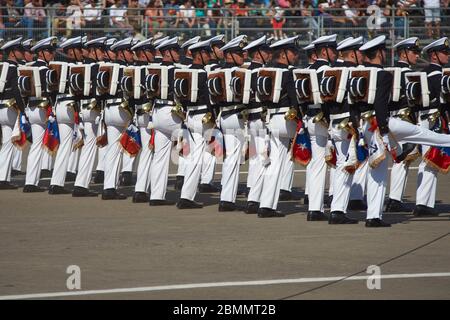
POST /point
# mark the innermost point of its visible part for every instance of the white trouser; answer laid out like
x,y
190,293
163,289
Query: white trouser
x,y
89,149
341,180
47,161
359,184
288,173
128,162
116,119
193,161
403,132
233,135
8,118
331,185
37,118
146,155
426,177
399,177
281,132
101,157
181,166
65,117
73,161
376,178
256,168
317,167
165,124
208,166
17,159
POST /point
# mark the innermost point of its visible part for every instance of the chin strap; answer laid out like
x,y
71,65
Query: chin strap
x,y
262,58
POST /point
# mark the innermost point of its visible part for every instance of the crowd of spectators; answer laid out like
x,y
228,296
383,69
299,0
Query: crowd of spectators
x,y
281,18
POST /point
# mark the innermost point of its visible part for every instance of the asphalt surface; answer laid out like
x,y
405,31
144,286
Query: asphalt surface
x,y
118,244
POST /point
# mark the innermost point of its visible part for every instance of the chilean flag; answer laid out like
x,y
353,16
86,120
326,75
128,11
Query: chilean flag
x,y
301,149
21,132
51,136
131,140
438,158
216,144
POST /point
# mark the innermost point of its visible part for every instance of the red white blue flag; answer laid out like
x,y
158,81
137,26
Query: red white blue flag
x,y
131,140
51,136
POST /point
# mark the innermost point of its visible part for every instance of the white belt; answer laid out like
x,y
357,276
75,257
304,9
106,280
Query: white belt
x,y
279,110
195,108
165,102
256,110
64,95
339,116
229,108
424,112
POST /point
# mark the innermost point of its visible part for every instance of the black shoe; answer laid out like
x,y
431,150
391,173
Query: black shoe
x,y
179,183
6,185
338,217
15,173
316,216
58,190
112,194
252,207
357,205
99,177
306,199
29,188
407,148
424,211
395,206
126,179
45,173
285,195
161,202
269,213
70,176
207,187
225,206
188,204
140,197
376,223
83,192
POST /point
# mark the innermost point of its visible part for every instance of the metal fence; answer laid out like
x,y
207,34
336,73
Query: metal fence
x,y
143,23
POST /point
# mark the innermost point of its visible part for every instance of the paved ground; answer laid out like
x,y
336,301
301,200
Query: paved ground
x,y
118,244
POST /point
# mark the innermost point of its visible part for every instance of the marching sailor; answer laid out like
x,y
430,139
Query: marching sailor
x,y
185,62
11,104
232,125
325,48
109,56
437,53
28,57
311,57
66,108
209,160
260,53
144,52
36,111
166,122
197,111
90,114
408,52
390,131
341,117
118,114
282,125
